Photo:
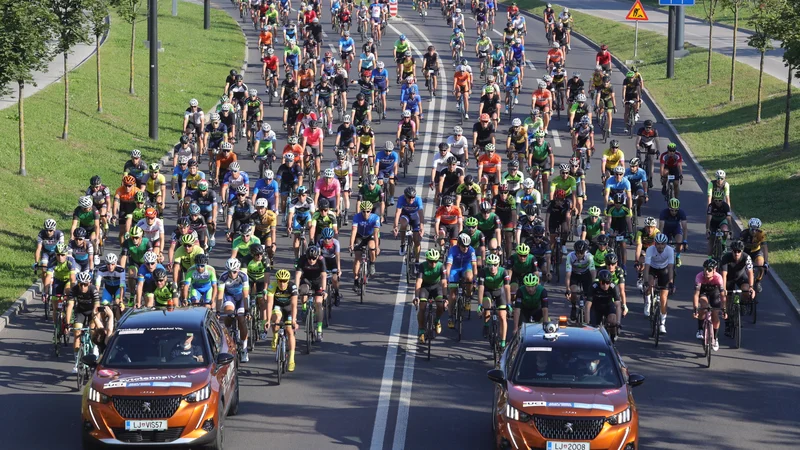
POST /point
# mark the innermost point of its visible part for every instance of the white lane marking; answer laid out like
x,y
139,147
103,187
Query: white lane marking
x,y
556,138
497,32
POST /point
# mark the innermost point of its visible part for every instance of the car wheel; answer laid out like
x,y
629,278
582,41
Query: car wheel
x,y
234,408
218,443
88,443
494,413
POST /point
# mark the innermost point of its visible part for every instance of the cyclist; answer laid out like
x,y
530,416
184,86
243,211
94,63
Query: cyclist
x,y
240,249
380,77
233,295
618,221
84,299
559,217
599,249
430,68
603,59
719,184
111,276
755,245
602,301
407,133
618,184
489,224
290,178
82,250
313,140
637,178
583,138
265,142
101,197
430,285
457,145
266,189
505,206
281,304
145,280
528,220
468,196
494,290
518,136
555,56
530,302
253,112
132,253
490,104
328,188
123,203
607,100
451,177
208,205
592,226
448,221
647,142
60,272
345,135
659,266
165,294
645,238
576,87
521,264
239,211
200,284
301,208
482,134
672,222
410,212
322,218
366,233
386,163
361,114
330,248
611,158
541,154
709,291
153,228
265,222
542,98
581,262
671,164
193,120
198,225
490,167
459,266
311,279
736,268
718,218
185,256
137,168
216,133
86,216
631,92
478,239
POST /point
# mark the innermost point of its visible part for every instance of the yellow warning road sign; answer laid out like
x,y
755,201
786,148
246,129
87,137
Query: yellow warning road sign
x,y
637,12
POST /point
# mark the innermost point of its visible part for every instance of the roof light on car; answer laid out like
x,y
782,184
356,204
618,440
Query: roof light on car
x,y
96,396
515,414
199,395
619,419
562,321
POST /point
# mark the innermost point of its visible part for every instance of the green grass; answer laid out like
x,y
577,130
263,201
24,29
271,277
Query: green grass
x,y
765,180
721,15
194,64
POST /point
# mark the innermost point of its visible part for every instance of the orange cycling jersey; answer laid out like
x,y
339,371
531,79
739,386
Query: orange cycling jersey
x,y
296,149
448,215
461,78
542,96
554,56
126,197
306,77
490,163
265,37
225,161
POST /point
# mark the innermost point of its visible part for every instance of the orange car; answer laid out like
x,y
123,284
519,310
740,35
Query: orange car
x,y
564,388
165,378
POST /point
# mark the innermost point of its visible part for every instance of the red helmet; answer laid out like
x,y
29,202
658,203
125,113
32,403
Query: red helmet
x,y
150,213
484,117
604,47
129,180
560,194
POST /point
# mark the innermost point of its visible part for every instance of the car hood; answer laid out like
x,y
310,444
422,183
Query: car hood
x,y
150,381
558,401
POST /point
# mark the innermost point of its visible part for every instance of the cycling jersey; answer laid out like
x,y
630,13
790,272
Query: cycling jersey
x,y
448,215
493,282
579,266
282,297
646,239
568,184
613,158
373,195
64,270
753,240
458,259
409,207
637,178
264,189
660,259
708,287
112,279
84,301
328,189
489,162
234,286
99,195
201,280
365,226
135,252
431,276
186,258
86,219
242,247
387,161
527,301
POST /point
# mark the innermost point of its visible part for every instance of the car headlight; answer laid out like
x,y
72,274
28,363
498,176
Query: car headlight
x,y
515,414
199,395
619,419
96,396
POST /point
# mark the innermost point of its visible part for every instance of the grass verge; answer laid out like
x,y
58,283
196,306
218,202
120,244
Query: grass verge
x,y
722,15
723,135
194,63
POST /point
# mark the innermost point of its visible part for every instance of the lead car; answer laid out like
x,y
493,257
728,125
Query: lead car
x,y
564,387
166,378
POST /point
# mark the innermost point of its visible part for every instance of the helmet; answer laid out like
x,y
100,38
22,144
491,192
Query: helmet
x,y
328,173
234,72
288,157
256,249
630,74
720,174
650,222
160,274
128,180
560,194
674,203
406,113
603,47
611,258
576,74
183,222
464,239
661,238
346,119
458,10
150,257
530,209
602,239
324,203
201,259
513,164
227,146
366,206
214,117
95,181
269,174
648,123
471,222
538,231
451,160
79,233
594,211
193,102
410,192
341,154
606,79
302,190
266,127
492,260
312,252
527,183
574,161
83,277
85,201
372,179
541,84
672,147
402,37
448,200
484,117
381,65
536,111
202,185
262,203
556,45
710,264
327,233
194,209
233,264
139,197
458,130
585,120
530,280
252,92
292,140
136,231
312,123
407,54
523,250
366,124
581,98
432,255
489,148
614,143
504,188
485,206
225,108
283,275
539,134
619,197
61,248
635,162
443,147
188,239
516,122
754,223
737,245
604,276
619,170
192,162
563,167
581,246
270,51
489,89
150,213
241,189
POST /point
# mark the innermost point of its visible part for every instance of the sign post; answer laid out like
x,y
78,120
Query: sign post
x,y
636,14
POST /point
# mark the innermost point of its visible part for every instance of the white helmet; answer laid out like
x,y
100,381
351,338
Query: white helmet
x,y
389,146
755,223
406,113
84,277
650,222
233,264
464,239
269,174
458,130
150,257
566,10
262,203
547,78
661,238
516,122
542,84
252,92
720,174
527,183
50,224
85,201
266,127
328,173
214,117
242,189
458,10
193,102
581,98
235,166
380,65
111,258
556,45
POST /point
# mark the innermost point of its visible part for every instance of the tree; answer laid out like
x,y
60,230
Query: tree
x,y
735,6
763,16
97,15
25,29
70,30
129,12
784,28
710,10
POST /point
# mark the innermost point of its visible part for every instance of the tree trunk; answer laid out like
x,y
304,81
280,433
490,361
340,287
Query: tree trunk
x,y
760,84
733,58
22,170
133,48
710,34
788,109
64,134
99,85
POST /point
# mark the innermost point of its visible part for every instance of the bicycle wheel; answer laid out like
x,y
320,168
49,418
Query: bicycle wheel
x,y
459,319
653,325
309,330
657,322
405,162
708,333
755,309
493,342
279,359
251,333
363,280
57,334
79,378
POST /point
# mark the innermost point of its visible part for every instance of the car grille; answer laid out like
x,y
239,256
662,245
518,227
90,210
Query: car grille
x,y
168,435
146,408
568,428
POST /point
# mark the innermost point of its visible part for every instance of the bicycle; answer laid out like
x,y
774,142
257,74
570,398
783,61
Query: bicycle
x,y
461,109
252,325
380,108
670,188
718,245
494,335
601,122
363,272
86,348
60,326
630,120
735,316
459,308
311,321
708,333
281,353
423,11
233,329
431,74
328,300
559,103
581,305
655,312
408,154
408,259
647,161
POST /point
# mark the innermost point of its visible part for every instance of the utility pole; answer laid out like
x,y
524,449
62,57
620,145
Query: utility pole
x,y
206,14
671,43
153,33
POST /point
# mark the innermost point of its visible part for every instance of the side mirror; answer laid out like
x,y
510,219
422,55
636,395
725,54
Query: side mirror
x,y
635,379
90,360
223,359
497,376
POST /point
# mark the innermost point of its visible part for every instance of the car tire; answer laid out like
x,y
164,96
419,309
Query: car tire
x,y
88,443
234,408
219,438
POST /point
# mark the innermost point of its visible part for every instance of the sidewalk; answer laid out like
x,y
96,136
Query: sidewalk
x,y
696,33
54,73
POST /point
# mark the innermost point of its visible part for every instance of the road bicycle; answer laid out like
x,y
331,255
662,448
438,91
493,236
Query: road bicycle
x,y
281,354
460,308
708,333
461,109
339,105
86,347
430,324
233,329
734,322
253,322
581,305
645,153
329,298
407,152
310,320
494,335
630,119
408,258
60,337
363,273
670,188
655,311
559,101
718,244
380,108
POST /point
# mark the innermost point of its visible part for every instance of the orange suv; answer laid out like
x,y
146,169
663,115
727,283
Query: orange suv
x,y
564,388
166,377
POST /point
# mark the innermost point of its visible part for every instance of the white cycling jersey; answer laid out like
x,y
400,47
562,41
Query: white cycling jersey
x,y
153,232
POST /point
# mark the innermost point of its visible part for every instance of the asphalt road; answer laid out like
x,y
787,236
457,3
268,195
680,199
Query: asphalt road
x,y
366,387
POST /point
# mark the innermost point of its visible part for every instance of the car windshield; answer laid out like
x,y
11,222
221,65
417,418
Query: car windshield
x,y
155,348
567,367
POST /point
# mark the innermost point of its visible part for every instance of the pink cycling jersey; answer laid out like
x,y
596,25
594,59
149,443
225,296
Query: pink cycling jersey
x,y
313,137
328,190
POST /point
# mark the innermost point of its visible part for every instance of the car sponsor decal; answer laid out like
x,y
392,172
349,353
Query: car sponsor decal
x,y
580,406
611,392
160,384
524,389
533,404
124,382
538,349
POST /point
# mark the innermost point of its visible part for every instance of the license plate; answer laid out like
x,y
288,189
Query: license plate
x,y
560,445
671,177
148,425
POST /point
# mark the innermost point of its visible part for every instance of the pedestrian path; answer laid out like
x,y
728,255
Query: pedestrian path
x,y
696,33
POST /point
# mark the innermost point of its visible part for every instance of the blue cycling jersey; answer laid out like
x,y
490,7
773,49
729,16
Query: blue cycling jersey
x,y
412,103
670,221
379,77
406,91
623,185
459,259
146,275
409,207
365,226
639,177
231,285
346,45
517,50
266,190
512,75
387,160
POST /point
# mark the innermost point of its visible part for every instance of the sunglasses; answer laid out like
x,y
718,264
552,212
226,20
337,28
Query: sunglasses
x,y
188,245
129,185
151,264
736,251
136,237
605,282
84,284
163,280
201,266
241,195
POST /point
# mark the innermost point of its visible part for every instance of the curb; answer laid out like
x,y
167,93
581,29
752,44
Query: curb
x,y
21,304
787,294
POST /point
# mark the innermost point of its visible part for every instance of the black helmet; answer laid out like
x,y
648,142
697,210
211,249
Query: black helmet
x,y
710,264
313,252
614,143
312,123
294,96
306,110
606,79
234,72
184,139
324,203
736,245
160,274
581,246
95,181
485,206
611,258
443,146
201,259
648,123
239,78
410,192
469,180
530,209
604,275
602,239
256,249
79,233
183,222
538,230
452,160
448,200
245,228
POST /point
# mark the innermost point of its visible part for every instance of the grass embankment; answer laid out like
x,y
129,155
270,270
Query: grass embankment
x,y
194,63
722,15
723,135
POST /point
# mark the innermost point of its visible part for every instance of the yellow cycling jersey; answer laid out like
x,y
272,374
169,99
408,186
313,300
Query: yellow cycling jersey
x,y
153,186
597,80
646,239
613,158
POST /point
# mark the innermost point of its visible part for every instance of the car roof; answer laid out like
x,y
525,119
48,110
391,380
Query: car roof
x,y
584,336
188,317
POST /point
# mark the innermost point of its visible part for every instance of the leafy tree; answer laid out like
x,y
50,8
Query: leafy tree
x,y
129,12
71,30
785,29
735,6
25,29
764,13
710,8
97,15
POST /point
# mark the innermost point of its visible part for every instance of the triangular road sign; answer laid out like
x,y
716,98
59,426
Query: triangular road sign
x,y
637,12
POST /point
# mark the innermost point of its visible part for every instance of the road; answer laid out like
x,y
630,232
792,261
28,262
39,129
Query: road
x,y
367,388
